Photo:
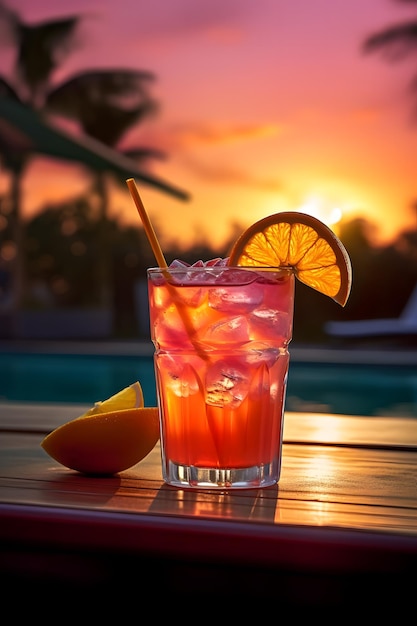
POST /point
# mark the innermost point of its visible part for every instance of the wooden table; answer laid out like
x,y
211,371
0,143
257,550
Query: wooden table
x,y
340,530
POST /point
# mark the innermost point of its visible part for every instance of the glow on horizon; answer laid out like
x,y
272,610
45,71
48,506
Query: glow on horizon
x,y
257,116
318,208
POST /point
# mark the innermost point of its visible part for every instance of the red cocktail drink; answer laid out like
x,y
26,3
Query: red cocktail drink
x,y
221,338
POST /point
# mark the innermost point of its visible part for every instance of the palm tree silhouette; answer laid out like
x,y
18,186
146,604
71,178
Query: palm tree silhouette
x,y
397,42
105,103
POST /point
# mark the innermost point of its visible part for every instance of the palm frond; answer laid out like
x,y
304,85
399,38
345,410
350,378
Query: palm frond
x,y
8,91
105,103
108,123
108,83
396,42
140,154
43,47
9,25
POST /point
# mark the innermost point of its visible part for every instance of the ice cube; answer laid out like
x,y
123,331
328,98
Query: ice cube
x,y
188,273
180,274
192,274
216,275
236,276
170,330
177,263
258,352
270,324
233,330
181,378
240,299
227,384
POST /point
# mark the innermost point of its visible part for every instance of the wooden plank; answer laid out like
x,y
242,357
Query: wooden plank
x,y
351,430
344,513
320,485
40,418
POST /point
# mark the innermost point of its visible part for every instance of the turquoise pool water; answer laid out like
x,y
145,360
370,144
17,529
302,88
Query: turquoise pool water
x,y
353,389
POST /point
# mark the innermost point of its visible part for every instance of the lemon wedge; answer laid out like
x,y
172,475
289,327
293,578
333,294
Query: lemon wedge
x,y
112,436
130,397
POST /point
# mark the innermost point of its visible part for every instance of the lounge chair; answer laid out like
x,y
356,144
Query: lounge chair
x,y
405,324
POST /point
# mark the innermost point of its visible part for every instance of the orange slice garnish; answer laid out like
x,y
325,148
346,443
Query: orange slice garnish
x,y
300,243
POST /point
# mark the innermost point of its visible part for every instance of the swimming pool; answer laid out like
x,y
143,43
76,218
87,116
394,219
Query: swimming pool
x,y
343,388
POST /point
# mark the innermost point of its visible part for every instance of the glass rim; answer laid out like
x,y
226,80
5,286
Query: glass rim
x,y
212,275
220,268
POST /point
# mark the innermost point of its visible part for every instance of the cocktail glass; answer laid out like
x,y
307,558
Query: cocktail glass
x,y
221,338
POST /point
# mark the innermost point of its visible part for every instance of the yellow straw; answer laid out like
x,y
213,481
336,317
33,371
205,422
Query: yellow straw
x,y
163,264
160,259
150,233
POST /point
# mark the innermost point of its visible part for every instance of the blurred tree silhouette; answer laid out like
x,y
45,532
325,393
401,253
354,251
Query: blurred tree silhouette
x,y
378,290
105,103
61,243
383,278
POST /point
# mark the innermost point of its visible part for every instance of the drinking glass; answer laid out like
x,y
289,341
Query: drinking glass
x,y
221,359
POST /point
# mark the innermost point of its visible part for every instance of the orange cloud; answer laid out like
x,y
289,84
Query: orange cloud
x,y
365,115
206,134
220,172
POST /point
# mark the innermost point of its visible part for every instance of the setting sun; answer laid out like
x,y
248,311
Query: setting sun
x,y
323,211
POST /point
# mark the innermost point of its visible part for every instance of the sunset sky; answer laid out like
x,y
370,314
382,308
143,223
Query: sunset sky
x,y
266,105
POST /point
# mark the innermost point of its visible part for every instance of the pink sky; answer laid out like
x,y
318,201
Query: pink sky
x,y
265,106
